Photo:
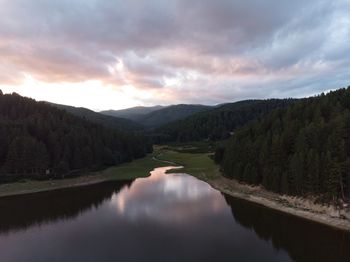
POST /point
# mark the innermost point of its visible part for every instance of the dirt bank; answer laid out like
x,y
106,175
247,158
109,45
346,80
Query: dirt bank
x,y
328,215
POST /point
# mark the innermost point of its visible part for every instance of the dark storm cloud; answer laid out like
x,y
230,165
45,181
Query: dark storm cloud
x,y
223,50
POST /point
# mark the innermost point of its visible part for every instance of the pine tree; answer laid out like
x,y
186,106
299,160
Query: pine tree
x,y
26,155
285,184
332,177
62,168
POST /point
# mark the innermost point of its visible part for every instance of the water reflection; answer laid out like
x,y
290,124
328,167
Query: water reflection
x,y
159,218
23,211
304,240
167,199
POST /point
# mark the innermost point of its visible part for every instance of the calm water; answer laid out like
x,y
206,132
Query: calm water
x,y
160,218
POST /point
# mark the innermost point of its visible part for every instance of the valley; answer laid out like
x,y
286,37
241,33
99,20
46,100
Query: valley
x,y
192,131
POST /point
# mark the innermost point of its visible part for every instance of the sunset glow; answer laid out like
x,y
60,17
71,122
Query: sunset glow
x,y
118,54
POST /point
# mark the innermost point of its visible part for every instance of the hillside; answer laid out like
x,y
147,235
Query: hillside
x,y
117,123
35,137
218,122
301,150
169,114
133,113
153,117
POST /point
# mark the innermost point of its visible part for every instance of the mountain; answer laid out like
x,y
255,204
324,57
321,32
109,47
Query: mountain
x,y
218,122
99,118
170,114
133,113
300,150
152,117
36,137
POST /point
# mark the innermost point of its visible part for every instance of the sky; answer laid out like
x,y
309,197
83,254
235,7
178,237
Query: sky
x,y
113,54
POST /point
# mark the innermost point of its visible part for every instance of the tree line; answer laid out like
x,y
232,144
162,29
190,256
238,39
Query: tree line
x,y
300,150
38,139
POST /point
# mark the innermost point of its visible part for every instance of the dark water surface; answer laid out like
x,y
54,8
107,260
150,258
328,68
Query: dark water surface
x,y
159,218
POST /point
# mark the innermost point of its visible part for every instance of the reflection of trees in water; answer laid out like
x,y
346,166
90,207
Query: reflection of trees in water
x,y
302,239
20,212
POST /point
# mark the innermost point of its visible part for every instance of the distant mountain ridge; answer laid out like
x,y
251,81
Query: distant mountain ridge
x,y
112,122
133,113
171,113
153,117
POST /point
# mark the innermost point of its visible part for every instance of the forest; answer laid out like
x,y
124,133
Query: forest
x,y
39,140
300,150
217,123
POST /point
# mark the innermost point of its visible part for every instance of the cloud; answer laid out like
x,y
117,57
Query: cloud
x,y
179,51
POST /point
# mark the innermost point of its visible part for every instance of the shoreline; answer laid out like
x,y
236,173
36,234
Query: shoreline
x,y
295,206
93,178
302,208
53,187
326,215
128,171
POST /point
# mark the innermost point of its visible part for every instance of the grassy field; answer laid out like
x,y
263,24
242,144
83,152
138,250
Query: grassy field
x,y
199,165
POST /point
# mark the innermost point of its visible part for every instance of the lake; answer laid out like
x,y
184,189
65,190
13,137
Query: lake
x,y
165,217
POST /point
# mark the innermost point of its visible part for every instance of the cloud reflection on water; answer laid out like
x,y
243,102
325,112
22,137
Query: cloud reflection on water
x,y
167,198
